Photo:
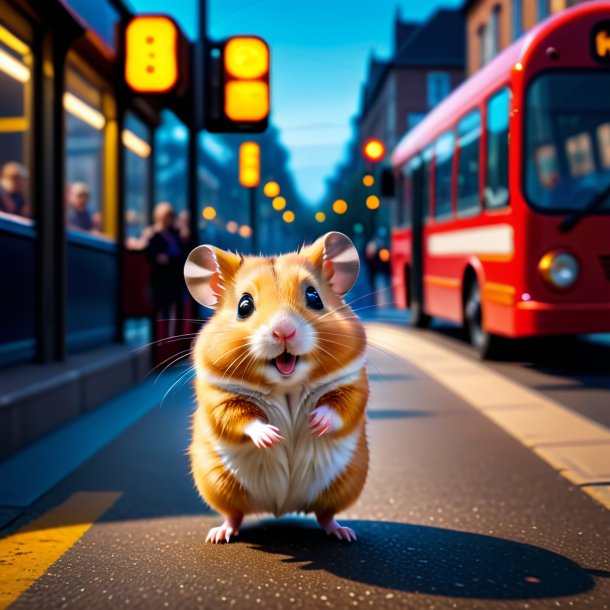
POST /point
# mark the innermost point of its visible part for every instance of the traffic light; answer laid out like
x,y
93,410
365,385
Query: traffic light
x,y
238,85
155,55
373,150
249,164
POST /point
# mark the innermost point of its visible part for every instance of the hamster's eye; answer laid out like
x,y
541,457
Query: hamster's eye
x,y
246,306
313,298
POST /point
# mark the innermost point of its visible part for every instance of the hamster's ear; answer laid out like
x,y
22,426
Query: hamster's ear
x,y
207,271
338,258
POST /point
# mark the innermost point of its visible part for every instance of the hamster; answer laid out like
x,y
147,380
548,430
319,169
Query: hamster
x,y
281,384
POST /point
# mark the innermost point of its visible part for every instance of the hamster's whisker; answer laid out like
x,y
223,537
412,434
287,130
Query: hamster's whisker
x,y
246,369
198,321
171,362
241,345
193,370
319,362
332,356
235,364
369,306
369,344
368,294
164,340
375,345
172,386
350,303
353,349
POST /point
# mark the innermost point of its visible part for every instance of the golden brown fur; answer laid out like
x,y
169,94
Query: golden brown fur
x,y
236,386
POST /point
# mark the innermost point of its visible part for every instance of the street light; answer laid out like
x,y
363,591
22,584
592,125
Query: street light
x,y
271,189
279,203
339,206
245,231
372,202
288,216
209,213
232,226
368,180
384,255
320,216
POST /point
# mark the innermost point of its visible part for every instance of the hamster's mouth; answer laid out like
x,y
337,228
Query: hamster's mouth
x,y
286,363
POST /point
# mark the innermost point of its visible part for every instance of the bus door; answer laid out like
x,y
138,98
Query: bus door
x,y
419,181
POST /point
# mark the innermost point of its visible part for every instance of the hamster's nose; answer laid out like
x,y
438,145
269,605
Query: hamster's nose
x,y
285,330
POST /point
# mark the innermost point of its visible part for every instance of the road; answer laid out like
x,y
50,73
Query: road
x,y
457,512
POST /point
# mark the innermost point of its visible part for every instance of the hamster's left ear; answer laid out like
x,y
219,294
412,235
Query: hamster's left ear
x,y
338,258
207,271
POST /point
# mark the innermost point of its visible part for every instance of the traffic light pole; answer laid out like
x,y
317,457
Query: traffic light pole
x,y
252,201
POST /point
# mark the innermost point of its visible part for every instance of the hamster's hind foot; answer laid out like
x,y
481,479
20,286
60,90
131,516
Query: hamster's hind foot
x,y
223,532
330,526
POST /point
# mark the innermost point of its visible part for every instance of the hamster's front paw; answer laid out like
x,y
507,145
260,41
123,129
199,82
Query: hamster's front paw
x,y
323,420
262,434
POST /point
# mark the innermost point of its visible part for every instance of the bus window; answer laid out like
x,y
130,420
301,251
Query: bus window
x,y
405,211
603,140
469,136
425,182
443,149
136,141
15,84
567,138
85,123
496,188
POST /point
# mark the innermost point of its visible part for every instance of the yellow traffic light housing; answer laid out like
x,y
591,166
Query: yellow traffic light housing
x,y
249,164
155,55
238,90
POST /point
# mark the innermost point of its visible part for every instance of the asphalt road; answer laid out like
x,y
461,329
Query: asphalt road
x,y
455,514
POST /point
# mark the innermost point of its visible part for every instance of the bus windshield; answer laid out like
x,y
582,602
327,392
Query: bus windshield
x,y
567,139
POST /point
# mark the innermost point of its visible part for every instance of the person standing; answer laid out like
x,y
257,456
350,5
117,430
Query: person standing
x,y
166,253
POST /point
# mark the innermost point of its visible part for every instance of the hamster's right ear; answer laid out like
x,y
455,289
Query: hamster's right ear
x,y
207,271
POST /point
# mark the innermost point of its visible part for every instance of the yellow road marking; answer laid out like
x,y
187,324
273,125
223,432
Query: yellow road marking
x,y
576,446
28,553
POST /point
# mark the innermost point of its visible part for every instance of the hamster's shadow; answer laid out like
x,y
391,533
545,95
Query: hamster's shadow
x,y
422,559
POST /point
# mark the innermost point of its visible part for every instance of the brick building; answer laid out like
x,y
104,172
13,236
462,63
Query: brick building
x,y
427,63
492,25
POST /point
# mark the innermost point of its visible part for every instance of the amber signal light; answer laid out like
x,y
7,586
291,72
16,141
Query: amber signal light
x,y
155,55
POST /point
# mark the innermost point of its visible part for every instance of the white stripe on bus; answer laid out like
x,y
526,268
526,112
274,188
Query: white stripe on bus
x,y
496,239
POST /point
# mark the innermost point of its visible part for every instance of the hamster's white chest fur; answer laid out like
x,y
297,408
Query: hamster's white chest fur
x,y
291,475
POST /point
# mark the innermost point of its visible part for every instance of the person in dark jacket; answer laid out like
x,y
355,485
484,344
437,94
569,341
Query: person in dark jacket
x,y
167,253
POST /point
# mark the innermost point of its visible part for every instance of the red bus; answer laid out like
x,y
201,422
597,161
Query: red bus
x,y
503,204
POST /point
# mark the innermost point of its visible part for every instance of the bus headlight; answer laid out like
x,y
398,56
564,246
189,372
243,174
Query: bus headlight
x,y
559,269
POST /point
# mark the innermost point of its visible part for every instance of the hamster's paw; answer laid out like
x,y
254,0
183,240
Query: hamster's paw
x,y
262,434
222,533
323,419
340,531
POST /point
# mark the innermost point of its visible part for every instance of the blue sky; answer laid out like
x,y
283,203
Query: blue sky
x,y
319,55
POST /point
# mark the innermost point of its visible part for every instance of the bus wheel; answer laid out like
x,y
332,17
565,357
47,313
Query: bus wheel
x,y
486,344
419,319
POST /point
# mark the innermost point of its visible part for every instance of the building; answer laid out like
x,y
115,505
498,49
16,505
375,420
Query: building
x,y
492,25
426,64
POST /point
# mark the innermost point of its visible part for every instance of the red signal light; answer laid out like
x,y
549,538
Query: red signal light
x,y
373,150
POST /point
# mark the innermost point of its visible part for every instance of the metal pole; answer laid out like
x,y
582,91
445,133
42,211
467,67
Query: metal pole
x,y
252,196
